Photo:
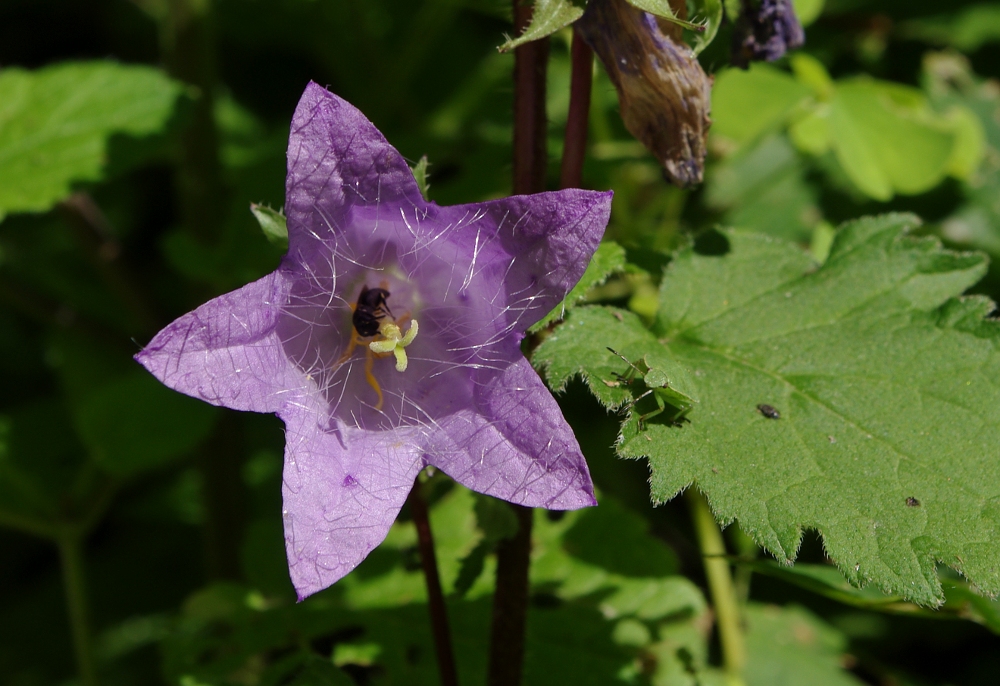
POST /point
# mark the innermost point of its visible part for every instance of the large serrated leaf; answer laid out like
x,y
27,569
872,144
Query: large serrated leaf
x,y
888,391
55,124
609,259
580,346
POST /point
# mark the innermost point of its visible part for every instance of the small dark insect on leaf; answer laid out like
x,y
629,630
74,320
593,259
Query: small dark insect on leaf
x,y
768,411
912,502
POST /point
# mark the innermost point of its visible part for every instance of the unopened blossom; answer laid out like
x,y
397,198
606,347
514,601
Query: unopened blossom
x,y
389,339
765,30
665,95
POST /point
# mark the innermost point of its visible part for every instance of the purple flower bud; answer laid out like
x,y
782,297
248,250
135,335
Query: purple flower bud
x,y
765,32
665,95
389,339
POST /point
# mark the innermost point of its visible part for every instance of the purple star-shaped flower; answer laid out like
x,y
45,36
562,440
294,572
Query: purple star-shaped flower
x,y
389,339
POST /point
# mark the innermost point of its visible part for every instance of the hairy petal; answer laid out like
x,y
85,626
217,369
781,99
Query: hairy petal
x,y
531,249
514,444
227,351
342,490
338,160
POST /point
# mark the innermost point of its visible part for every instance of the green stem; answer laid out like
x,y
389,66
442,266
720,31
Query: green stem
x,y
25,525
720,586
188,44
70,544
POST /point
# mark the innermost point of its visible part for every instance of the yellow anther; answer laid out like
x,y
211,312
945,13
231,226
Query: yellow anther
x,y
372,381
393,341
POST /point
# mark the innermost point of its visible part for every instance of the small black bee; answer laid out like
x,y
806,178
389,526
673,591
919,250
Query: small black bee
x,y
768,411
371,307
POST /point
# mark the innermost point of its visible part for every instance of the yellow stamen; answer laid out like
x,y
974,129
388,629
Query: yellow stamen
x,y
394,341
372,381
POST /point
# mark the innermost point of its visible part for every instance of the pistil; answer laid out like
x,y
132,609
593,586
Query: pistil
x,y
394,341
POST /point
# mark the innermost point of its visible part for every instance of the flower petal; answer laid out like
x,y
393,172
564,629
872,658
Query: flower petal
x,y
515,444
342,490
525,253
227,351
338,159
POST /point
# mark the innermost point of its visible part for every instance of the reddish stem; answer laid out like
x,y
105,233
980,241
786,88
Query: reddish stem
x,y
510,604
435,598
575,146
530,62
530,158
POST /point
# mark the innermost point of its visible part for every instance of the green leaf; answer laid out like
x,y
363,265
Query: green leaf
x,y
609,259
616,539
706,29
712,11
497,522
886,140
591,625
789,646
317,672
56,123
808,11
746,104
763,187
660,8
495,519
580,345
883,381
272,223
811,133
135,423
810,71
421,176
960,601
967,30
828,582
547,17
970,142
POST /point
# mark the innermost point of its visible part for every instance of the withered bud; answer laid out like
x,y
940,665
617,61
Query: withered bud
x,y
665,95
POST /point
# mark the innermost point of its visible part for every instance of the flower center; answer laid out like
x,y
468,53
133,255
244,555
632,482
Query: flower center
x,y
372,318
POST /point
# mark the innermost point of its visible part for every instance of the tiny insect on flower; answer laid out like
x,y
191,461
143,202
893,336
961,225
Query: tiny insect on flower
x,y
370,309
315,341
